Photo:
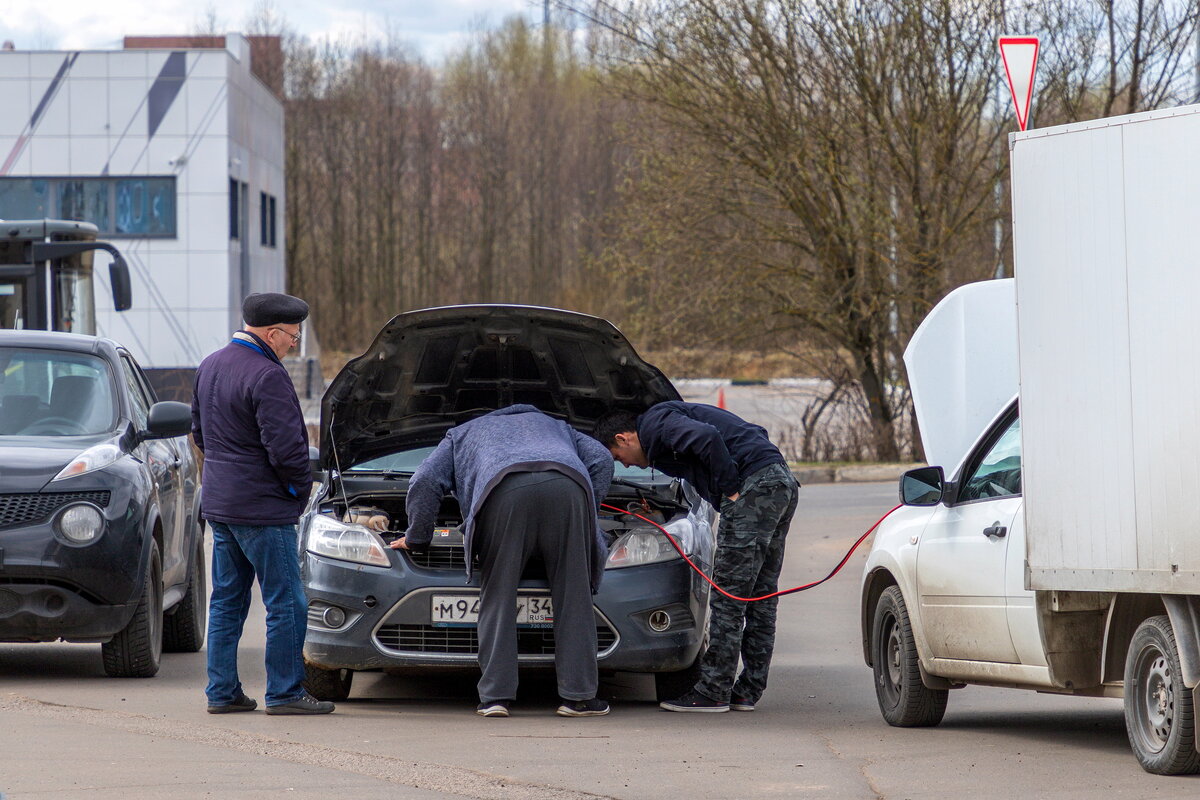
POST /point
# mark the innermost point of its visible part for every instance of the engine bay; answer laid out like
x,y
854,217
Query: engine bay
x,y
381,508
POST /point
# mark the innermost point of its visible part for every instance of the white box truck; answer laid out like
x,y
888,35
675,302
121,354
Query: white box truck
x,y
1055,544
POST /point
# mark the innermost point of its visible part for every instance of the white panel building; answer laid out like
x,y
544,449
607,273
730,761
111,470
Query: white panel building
x,y
176,153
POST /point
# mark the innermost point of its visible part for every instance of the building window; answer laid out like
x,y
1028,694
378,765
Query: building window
x,y
234,218
133,207
266,215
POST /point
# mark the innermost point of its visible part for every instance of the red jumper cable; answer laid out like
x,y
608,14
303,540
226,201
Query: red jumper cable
x,y
780,593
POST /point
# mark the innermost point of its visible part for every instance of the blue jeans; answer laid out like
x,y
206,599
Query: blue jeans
x,y
241,552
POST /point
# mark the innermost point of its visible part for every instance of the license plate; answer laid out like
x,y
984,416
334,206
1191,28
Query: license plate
x,y
462,611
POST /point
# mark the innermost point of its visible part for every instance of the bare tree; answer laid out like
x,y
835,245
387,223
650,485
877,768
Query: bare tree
x,y
1104,57
851,151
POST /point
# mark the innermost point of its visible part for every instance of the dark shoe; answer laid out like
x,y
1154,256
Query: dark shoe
x,y
583,708
242,703
495,708
694,701
740,704
305,704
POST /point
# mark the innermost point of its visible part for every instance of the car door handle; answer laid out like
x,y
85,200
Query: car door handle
x,y
997,530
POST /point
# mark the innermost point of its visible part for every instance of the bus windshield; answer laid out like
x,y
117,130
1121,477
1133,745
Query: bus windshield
x,y
75,306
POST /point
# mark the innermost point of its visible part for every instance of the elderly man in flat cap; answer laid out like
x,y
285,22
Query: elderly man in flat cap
x,y
246,419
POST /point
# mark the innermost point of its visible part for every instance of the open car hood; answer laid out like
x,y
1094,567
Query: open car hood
x,y
962,367
430,370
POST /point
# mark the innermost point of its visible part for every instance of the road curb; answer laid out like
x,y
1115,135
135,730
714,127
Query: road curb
x,y
857,473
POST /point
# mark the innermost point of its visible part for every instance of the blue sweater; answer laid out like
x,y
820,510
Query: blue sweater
x,y
474,457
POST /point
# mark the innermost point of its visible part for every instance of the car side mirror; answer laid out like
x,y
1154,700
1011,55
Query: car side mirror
x,y
923,486
168,419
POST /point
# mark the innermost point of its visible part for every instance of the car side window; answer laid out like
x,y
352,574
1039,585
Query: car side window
x,y
137,396
998,473
147,388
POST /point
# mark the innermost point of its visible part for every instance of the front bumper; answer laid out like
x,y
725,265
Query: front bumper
x,y
47,613
51,590
388,622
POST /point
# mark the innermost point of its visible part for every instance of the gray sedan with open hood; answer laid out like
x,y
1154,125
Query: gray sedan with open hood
x,y
373,608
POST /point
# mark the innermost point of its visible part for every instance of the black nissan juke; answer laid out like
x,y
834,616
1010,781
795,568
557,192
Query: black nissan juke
x,y
100,536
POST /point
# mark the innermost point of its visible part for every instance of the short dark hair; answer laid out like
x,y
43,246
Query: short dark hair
x,y
612,423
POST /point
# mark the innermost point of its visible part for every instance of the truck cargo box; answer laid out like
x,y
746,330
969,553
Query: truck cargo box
x,y
1106,220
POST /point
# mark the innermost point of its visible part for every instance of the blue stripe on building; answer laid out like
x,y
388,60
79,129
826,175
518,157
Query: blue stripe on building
x,y
165,89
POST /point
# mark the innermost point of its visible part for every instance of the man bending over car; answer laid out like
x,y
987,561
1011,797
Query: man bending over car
x,y
734,466
527,484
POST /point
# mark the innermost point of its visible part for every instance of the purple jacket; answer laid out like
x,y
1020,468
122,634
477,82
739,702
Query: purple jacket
x,y
246,419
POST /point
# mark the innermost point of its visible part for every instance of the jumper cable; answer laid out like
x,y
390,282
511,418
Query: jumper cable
x,y
780,593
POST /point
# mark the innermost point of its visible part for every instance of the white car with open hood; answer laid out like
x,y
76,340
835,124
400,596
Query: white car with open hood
x,y
1055,547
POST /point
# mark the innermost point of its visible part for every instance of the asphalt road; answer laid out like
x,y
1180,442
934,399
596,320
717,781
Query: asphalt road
x,y
67,731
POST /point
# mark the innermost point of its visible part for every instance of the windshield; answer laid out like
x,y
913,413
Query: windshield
x,y
409,460
75,306
54,393
12,304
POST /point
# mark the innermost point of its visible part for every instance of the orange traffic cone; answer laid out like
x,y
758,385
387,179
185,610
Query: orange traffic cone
x,y
721,397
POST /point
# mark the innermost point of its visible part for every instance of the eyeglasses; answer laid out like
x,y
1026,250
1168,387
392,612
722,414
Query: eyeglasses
x,y
295,336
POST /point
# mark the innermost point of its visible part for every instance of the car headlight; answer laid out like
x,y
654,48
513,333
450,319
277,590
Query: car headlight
x,y
90,460
328,537
81,523
649,546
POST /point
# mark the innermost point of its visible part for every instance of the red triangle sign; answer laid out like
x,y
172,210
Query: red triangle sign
x,y
1019,54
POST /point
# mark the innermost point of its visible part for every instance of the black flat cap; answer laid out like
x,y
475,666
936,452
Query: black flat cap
x,y
272,308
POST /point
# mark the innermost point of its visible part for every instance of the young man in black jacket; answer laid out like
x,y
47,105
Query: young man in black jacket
x,y
734,466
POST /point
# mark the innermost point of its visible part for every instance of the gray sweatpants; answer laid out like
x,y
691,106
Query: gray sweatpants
x,y
546,513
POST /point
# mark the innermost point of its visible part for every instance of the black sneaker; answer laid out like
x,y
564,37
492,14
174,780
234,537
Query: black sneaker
x,y
694,701
495,708
305,704
583,708
241,703
740,704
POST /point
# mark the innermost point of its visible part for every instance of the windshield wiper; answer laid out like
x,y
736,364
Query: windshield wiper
x,y
386,474
654,491
632,484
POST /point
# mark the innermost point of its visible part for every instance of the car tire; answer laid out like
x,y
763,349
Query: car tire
x,y
328,684
904,700
135,652
673,685
1159,714
183,626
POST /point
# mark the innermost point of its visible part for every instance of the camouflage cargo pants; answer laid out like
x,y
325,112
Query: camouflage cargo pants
x,y
750,542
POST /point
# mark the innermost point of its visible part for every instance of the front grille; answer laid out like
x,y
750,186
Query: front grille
x,y
465,641
23,509
450,557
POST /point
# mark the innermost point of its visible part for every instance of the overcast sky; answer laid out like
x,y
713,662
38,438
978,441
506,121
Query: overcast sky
x,y
431,26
